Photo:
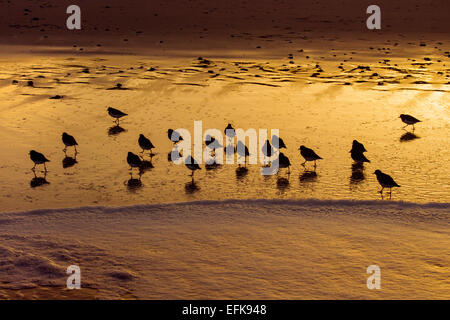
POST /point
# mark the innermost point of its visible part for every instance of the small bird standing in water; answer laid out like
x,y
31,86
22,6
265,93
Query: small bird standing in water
x,y
38,158
116,114
242,151
357,152
174,136
309,155
192,165
358,147
409,120
358,156
283,162
230,132
145,144
133,160
385,181
280,142
267,150
69,141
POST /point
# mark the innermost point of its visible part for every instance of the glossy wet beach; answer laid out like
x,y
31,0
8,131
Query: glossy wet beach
x,y
320,104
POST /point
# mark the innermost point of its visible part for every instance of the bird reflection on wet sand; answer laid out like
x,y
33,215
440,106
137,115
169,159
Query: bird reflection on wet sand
x,y
241,172
115,130
191,187
408,136
308,176
146,165
69,161
212,166
282,183
133,184
38,181
357,173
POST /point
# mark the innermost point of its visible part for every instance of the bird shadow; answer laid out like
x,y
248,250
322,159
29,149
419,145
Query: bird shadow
x,y
145,166
282,183
134,184
241,172
408,136
68,161
308,176
38,181
115,130
357,173
212,165
191,187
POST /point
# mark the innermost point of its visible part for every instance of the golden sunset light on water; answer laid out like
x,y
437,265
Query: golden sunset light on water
x,y
104,201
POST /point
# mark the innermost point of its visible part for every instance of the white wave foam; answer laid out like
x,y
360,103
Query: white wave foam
x,y
254,202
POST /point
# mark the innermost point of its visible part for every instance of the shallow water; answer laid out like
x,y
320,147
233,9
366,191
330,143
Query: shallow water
x,y
324,112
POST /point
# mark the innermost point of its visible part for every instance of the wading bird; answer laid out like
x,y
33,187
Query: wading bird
x,y
145,144
309,155
385,181
116,114
69,141
409,120
38,158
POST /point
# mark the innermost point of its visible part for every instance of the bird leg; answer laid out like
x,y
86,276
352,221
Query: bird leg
x,y
304,163
381,191
45,167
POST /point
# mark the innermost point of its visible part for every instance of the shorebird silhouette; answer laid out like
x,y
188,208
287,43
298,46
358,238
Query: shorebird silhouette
x,y
267,150
38,158
116,114
212,143
358,147
409,120
145,144
281,143
309,155
242,151
385,181
192,165
69,141
133,160
358,156
230,132
283,162
174,136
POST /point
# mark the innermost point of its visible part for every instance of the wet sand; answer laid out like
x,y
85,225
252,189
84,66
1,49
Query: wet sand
x,y
323,103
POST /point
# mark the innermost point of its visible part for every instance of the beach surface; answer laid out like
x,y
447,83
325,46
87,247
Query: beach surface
x,y
312,70
280,249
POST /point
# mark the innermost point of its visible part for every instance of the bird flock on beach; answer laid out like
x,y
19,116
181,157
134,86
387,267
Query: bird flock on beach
x,y
138,161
